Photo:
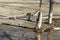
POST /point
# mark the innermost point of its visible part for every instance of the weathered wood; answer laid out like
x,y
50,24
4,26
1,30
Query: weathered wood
x,y
39,22
56,28
29,16
39,19
50,11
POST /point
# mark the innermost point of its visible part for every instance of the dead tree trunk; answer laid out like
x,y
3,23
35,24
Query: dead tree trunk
x,y
39,22
50,12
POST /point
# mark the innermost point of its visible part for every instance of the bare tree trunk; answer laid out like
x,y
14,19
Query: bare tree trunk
x,y
50,12
39,22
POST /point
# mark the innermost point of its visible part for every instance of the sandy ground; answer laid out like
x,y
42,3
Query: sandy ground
x,y
16,8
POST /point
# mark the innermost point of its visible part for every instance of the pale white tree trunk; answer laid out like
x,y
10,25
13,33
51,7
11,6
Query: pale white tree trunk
x,y
40,21
50,11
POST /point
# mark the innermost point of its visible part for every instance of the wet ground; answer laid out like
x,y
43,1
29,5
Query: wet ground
x,y
16,33
9,32
23,34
